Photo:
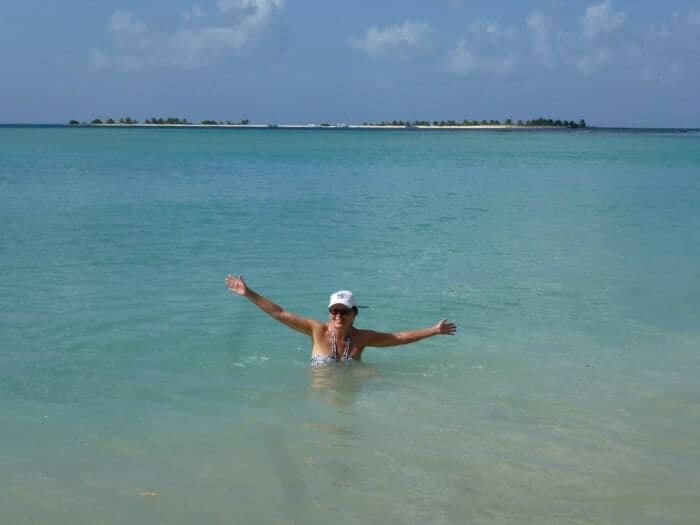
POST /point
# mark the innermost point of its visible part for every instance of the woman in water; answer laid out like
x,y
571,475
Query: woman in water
x,y
336,339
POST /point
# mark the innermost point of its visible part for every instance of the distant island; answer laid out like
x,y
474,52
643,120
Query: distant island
x,y
394,124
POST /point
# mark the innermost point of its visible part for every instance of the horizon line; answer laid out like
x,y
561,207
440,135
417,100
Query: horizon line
x,y
344,126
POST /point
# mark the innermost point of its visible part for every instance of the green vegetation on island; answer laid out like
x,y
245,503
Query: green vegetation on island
x,y
538,122
465,123
109,121
244,122
173,121
158,121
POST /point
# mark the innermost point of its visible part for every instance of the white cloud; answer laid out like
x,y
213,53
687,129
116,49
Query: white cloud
x,y
127,31
585,44
676,69
488,49
99,60
667,74
135,47
124,22
396,40
589,63
600,19
540,27
551,39
490,29
693,19
193,13
671,48
500,65
678,26
122,62
463,61
256,12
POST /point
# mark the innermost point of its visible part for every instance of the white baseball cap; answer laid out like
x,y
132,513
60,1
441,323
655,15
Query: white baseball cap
x,y
344,297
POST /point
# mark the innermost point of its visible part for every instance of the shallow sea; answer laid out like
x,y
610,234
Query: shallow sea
x,y
135,389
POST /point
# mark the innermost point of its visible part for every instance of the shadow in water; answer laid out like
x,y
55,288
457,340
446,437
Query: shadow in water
x,y
340,383
290,477
314,445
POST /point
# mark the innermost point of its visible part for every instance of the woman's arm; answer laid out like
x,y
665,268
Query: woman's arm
x,y
302,324
409,336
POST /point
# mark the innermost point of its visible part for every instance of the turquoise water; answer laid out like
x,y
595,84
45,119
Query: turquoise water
x,y
135,389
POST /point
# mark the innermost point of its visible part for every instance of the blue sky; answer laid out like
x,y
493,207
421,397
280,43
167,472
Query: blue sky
x,y
611,62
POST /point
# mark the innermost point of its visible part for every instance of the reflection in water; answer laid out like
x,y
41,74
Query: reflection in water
x,y
301,458
336,428
340,383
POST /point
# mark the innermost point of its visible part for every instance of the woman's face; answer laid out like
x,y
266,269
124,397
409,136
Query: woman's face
x,y
341,316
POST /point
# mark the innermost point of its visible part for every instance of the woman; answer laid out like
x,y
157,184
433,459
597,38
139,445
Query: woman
x,y
336,339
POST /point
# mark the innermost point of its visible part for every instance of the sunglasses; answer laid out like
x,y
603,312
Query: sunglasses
x,y
339,311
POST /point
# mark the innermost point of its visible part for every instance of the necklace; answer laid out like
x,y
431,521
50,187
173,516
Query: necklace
x,y
334,347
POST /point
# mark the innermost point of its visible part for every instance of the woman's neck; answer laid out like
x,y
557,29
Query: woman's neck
x,y
342,333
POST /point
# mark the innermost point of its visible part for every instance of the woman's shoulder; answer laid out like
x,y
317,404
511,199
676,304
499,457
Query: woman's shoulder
x,y
361,334
319,327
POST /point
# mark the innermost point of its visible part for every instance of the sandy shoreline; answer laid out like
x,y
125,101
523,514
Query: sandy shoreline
x,y
317,126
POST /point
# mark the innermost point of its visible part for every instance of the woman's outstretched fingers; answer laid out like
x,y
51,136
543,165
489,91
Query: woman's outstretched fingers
x,y
446,328
236,284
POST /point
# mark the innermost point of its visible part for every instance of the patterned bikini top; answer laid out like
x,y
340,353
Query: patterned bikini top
x,y
334,347
324,359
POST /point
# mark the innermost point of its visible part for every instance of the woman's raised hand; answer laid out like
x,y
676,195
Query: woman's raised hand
x,y
446,328
236,284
